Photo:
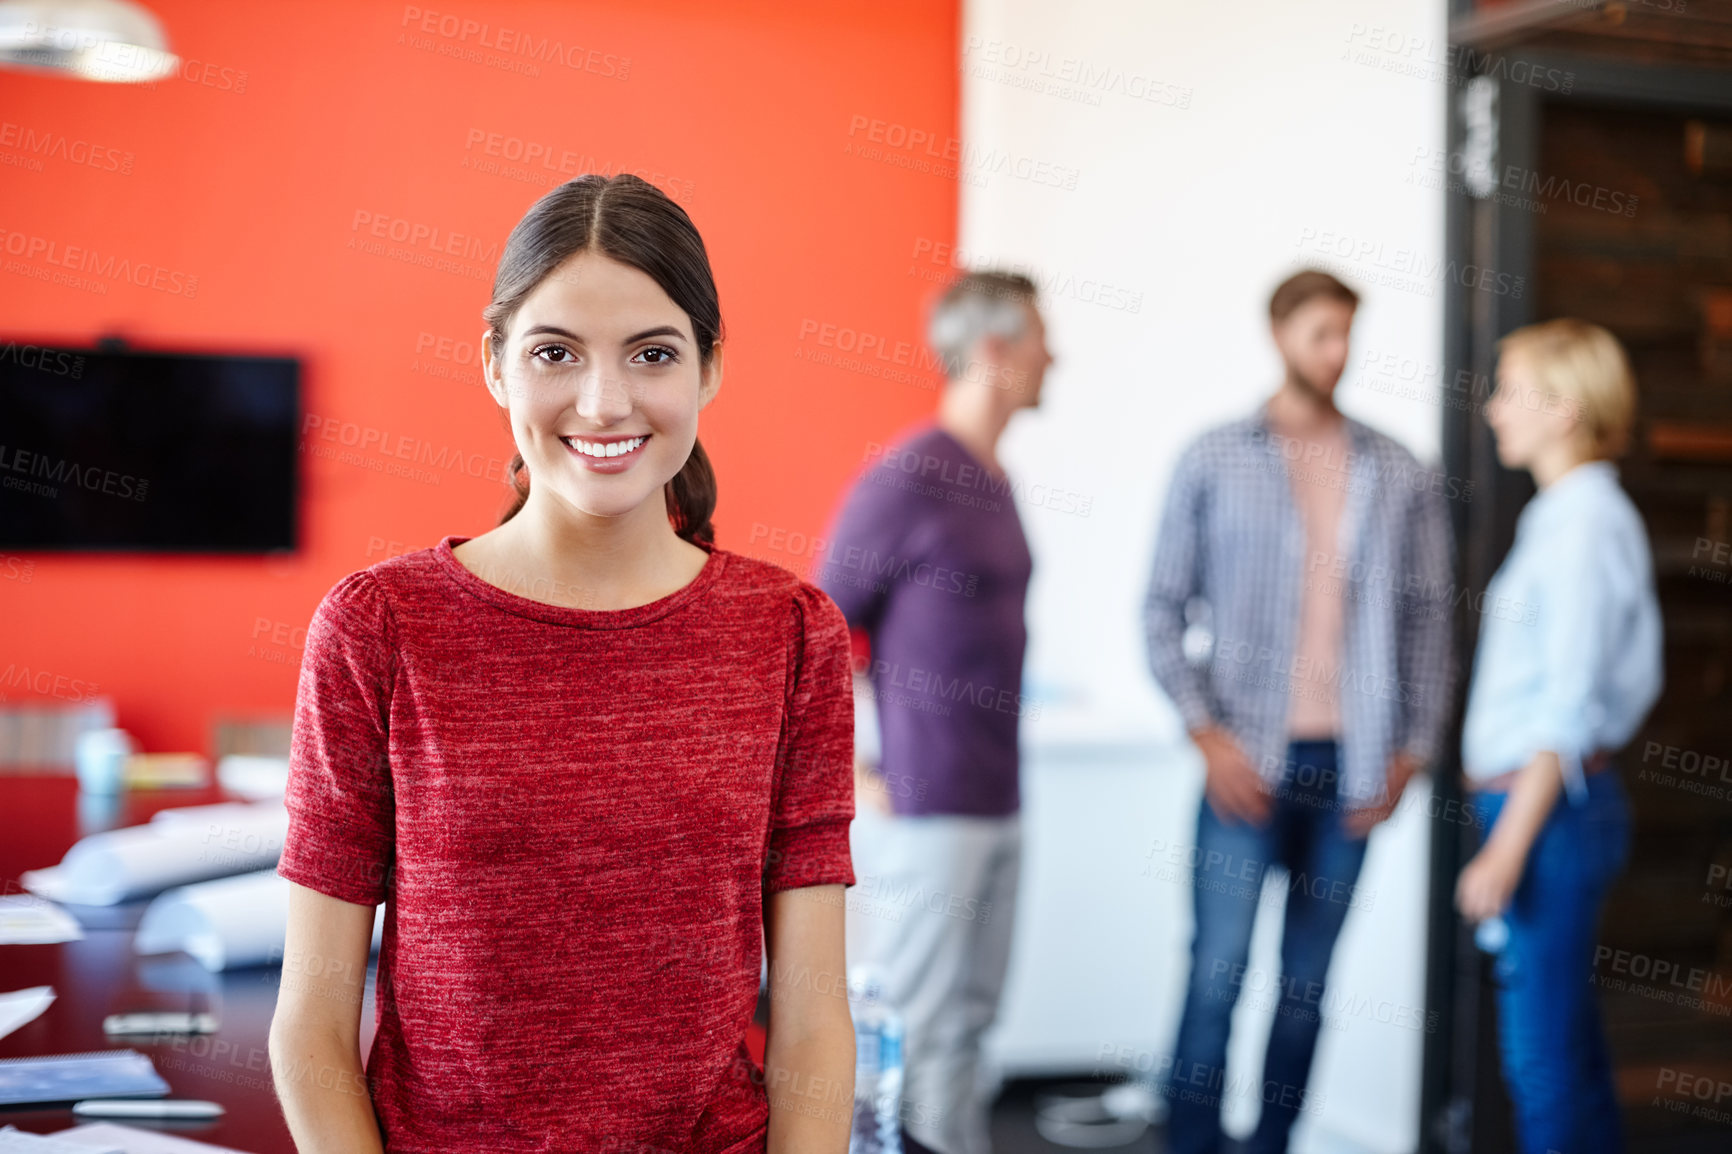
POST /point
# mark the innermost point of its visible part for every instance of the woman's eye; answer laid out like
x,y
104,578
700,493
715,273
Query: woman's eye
x,y
659,355
553,354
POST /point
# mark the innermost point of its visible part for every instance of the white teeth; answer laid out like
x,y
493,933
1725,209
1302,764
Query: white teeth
x,y
615,449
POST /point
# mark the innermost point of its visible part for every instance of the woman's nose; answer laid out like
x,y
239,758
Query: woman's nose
x,y
602,397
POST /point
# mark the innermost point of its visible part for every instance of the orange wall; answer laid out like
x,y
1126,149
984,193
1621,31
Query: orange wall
x,y
247,171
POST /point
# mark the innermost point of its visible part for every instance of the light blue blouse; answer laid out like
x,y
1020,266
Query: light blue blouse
x,y
1569,656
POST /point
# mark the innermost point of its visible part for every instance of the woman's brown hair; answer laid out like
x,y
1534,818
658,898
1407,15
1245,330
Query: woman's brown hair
x,y
632,221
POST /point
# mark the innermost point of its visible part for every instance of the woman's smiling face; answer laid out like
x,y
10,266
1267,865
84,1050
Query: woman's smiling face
x,y
600,375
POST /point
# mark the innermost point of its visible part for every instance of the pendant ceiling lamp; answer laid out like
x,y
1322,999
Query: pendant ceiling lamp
x,y
108,40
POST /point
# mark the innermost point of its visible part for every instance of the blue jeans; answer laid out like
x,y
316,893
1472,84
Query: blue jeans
x,y
1306,835
1555,1064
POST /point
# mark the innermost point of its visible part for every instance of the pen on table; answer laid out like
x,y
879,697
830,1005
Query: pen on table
x,y
146,1022
147,1108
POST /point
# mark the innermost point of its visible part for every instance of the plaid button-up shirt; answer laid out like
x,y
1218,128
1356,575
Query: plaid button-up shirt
x,y
1231,556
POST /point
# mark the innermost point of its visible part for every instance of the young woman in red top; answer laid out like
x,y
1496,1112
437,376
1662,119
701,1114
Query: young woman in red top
x,y
595,767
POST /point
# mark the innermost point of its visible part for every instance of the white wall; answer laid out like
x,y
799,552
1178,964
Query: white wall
x,y
1289,150
1210,150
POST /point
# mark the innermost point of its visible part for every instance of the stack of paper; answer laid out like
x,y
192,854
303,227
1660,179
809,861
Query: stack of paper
x,y
22,1007
238,921
155,770
16,1141
253,776
177,846
26,920
96,1137
72,1077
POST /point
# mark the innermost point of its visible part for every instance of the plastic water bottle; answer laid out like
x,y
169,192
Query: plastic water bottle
x,y
1492,934
863,1133
890,1083
876,1127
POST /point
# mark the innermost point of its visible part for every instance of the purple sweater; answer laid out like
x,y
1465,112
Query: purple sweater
x,y
928,558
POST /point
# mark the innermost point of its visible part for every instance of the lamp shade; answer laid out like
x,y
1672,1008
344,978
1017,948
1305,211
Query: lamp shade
x,y
110,40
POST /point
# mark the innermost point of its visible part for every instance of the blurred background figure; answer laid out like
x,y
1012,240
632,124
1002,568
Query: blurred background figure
x,y
928,559
1556,689
1314,710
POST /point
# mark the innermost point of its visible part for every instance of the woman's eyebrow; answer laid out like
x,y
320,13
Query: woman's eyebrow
x,y
658,331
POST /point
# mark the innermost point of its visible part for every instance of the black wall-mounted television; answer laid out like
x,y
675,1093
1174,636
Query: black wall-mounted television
x,y
117,450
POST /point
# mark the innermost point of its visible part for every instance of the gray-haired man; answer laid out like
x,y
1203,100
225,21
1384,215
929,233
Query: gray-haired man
x,y
928,559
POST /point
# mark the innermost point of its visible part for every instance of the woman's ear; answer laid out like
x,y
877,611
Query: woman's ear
x,y
711,381
1572,420
492,370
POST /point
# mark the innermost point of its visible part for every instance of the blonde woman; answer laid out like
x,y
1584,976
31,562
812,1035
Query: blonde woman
x,y
1561,681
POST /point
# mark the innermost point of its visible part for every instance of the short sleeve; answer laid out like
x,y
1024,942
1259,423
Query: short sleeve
x,y
814,799
341,837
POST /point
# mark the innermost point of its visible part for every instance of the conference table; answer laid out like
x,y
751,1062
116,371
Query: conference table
x,y
42,814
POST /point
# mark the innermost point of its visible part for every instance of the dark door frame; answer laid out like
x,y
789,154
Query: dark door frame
x,y
1460,1067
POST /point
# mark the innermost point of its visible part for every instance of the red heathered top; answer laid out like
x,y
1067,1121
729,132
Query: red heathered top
x,y
574,818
